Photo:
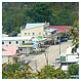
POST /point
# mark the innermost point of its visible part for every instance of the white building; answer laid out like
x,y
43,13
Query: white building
x,y
4,35
15,40
34,29
68,58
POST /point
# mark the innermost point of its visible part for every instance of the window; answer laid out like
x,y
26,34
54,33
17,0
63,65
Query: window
x,y
33,33
20,49
2,42
23,41
9,42
63,59
16,42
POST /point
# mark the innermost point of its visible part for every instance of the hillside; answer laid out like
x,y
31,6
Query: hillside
x,y
16,14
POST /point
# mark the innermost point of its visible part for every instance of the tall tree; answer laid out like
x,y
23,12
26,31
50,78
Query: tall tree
x,y
75,35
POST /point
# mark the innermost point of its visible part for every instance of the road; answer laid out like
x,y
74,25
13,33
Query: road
x,y
39,61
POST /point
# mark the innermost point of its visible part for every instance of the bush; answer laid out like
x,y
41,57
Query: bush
x,y
73,69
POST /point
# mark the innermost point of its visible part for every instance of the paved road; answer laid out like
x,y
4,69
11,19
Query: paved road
x,y
39,61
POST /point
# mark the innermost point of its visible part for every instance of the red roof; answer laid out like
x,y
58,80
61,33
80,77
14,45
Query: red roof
x,y
61,28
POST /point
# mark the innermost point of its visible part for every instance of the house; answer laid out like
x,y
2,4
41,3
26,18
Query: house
x,y
34,29
61,34
8,53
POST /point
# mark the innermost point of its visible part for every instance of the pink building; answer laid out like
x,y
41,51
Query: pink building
x,y
8,52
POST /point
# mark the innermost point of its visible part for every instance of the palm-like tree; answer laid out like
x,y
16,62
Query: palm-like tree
x,y
74,32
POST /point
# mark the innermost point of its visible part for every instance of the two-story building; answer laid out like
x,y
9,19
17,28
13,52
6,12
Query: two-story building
x,y
35,29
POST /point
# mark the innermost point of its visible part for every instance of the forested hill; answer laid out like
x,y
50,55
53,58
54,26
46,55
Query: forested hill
x,y
15,15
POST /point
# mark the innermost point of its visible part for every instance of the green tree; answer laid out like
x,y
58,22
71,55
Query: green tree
x,y
51,73
60,74
73,69
16,71
74,32
16,15
40,12
46,72
8,70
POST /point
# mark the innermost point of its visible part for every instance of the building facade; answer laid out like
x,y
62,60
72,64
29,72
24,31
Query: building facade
x,y
8,53
15,40
34,29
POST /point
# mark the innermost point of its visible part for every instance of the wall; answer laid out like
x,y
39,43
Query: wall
x,y
8,60
13,42
72,58
35,30
25,50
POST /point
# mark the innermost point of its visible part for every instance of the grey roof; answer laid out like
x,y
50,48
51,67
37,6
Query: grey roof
x,y
33,25
16,38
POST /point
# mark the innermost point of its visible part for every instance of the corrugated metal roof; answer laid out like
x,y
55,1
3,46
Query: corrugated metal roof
x,y
61,28
33,25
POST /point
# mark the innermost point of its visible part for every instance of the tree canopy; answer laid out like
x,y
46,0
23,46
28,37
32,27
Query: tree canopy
x,y
18,14
24,71
73,69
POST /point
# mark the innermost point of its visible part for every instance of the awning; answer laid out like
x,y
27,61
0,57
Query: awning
x,y
40,38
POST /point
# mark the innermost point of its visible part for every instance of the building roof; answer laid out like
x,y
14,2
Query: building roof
x,y
16,38
33,25
4,35
61,28
9,50
51,30
39,38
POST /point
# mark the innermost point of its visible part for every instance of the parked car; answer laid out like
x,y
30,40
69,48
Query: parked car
x,y
63,39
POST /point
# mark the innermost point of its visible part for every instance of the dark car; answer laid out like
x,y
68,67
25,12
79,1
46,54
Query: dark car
x,y
63,39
